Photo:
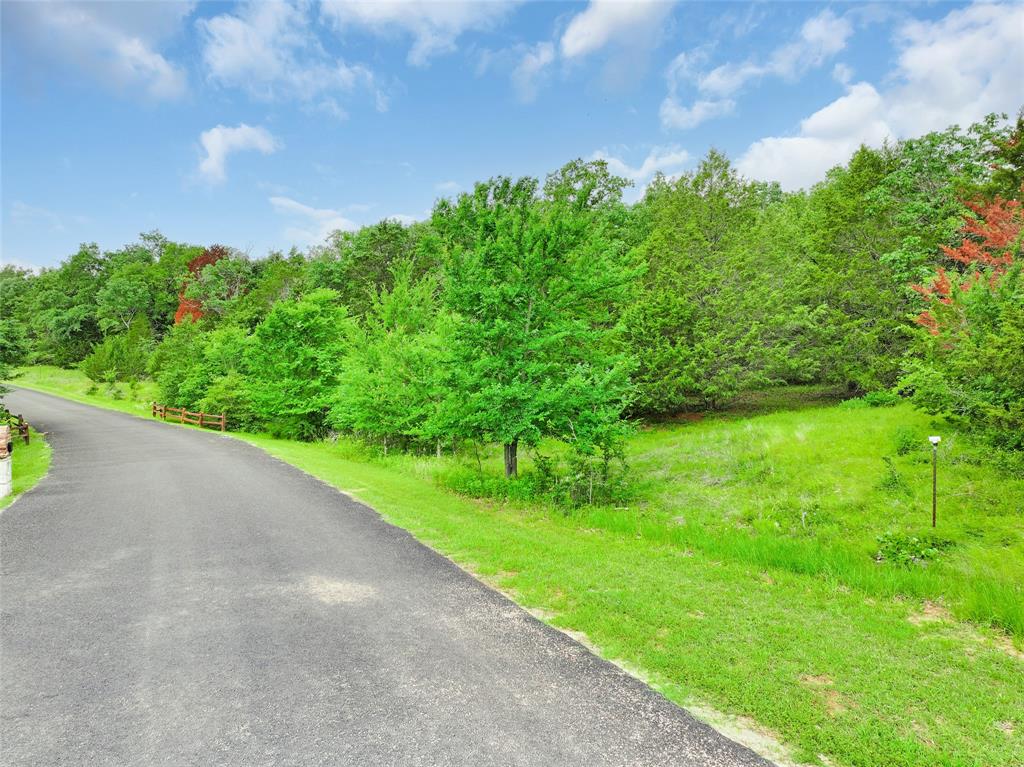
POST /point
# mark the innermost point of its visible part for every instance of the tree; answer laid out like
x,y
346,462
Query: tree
x,y
358,264
293,363
534,285
390,384
125,296
968,365
702,325
221,280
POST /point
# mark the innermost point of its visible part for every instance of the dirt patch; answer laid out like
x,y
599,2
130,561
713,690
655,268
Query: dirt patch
x,y
1006,727
835,703
332,592
931,612
1004,643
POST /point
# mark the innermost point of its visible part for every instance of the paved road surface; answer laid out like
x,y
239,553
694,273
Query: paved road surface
x,y
171,597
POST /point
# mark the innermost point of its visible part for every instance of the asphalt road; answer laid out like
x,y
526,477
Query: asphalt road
x,y
172,597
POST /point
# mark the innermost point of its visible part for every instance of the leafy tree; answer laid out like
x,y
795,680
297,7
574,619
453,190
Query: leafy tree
x,y
699,326
294,362
125,296
177,365
968,365
358,264
220,284
390,384
121,357
533,285
63,309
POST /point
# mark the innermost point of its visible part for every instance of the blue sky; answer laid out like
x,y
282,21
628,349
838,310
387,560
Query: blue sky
x,y
266,125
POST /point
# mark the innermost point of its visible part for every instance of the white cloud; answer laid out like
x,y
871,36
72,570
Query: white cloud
x,y
221,141
826,138
627,22
953,70
668,160
115,43
842,73
820,38
310,226
435,25
530,69
448,187
675,115
21,211
271,50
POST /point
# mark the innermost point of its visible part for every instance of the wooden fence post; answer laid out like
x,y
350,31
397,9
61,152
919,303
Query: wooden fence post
x,y
200,419
223,421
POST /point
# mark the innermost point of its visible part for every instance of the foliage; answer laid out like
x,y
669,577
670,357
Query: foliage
x,y
905,550
294,361
533,285
390,383
968,365
121,357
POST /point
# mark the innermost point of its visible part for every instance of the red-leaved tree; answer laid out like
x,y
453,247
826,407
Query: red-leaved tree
x,y
991,237
186,306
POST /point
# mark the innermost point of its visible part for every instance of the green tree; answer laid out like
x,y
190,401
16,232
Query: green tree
x,y
703,325
534,285
294,361
390,384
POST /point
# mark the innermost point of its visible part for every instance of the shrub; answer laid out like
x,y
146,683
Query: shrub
x,y
905,550
229,394
907,441
120,358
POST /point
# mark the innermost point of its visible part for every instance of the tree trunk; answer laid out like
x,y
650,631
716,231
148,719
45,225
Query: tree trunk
x,y
512,459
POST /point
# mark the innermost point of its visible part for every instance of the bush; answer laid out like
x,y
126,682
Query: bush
x,y
229,394
882,398
906,550
120,358
907,441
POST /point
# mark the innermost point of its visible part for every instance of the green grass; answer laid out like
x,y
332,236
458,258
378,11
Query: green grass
x,y
29,464
742,577
73,385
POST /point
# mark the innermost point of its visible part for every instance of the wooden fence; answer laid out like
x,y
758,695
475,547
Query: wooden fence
x,y
18,424
181,415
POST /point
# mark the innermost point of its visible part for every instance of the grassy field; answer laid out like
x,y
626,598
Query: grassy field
x,y
29,464
743,577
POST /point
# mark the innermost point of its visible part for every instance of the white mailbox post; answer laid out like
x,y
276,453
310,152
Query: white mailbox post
x,y
5,461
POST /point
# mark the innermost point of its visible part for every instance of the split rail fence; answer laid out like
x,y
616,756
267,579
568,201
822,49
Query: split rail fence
x,y
181,415
18,425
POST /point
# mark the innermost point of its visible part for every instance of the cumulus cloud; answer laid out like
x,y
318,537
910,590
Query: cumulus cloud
x,y
271,50
668,160
221,141
820,38
953,70
603,22
310,226
115,43
434,26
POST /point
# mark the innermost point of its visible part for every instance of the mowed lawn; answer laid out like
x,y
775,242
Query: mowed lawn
x,y
29,464
742,579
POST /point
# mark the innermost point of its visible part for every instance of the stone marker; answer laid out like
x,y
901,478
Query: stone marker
x,y
5,461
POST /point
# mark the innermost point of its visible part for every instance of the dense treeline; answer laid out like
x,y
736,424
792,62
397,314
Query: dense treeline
x,y
524,311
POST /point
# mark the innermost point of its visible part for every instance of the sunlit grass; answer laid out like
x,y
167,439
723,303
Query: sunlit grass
x,y
29,464
742,576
